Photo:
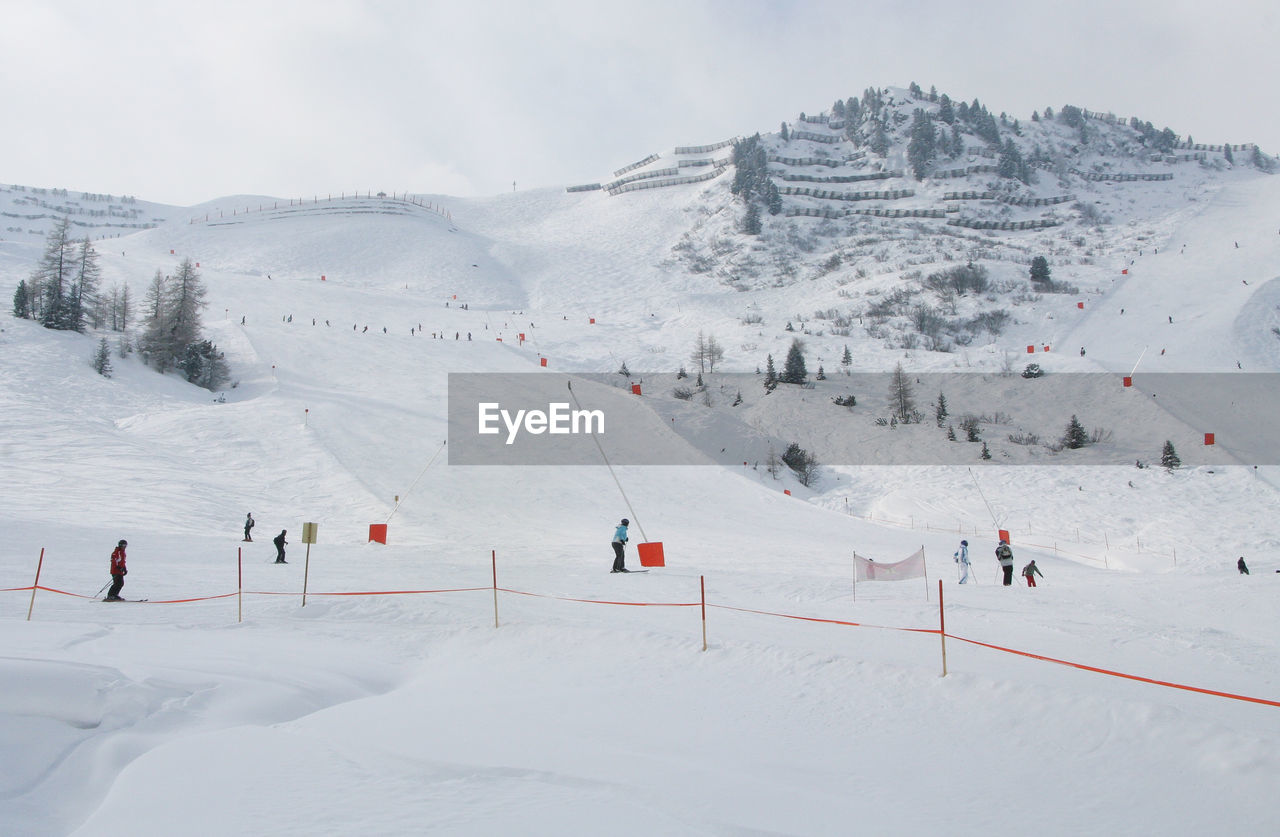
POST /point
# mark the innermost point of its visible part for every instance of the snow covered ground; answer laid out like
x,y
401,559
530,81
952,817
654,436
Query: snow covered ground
x,y
412,713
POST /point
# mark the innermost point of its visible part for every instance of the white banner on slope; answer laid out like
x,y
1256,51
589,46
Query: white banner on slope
x,y
864,569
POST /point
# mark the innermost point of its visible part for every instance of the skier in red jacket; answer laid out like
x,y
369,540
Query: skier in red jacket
x,y
118,572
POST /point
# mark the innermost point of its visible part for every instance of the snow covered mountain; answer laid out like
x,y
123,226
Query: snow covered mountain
x,y
342,317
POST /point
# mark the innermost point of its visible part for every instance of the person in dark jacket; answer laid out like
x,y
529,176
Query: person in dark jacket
x,y
1005,556
279,541
619,541
248,527
1241,566
118,572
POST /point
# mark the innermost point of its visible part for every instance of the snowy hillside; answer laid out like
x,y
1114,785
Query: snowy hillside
x,y
407,711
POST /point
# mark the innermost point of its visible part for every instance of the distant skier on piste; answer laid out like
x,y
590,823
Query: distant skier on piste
x,y
619,541
1005,556
280,542
118,572
962,558
248,527
1242,567
1029,572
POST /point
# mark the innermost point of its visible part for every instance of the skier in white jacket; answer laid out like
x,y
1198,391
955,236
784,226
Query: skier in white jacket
x,y
962,558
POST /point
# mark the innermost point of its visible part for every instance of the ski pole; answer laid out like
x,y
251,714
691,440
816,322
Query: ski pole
x,y
100,589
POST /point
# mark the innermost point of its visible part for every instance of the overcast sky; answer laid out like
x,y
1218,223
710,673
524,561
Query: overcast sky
x,y
180,101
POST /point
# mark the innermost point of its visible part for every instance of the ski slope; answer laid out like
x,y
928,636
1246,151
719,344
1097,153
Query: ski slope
x,y
413,713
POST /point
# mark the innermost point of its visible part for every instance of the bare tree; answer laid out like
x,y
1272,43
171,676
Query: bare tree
x,y
902,396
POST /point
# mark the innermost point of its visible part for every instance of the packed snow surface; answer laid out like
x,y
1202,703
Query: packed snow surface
x,y
429,704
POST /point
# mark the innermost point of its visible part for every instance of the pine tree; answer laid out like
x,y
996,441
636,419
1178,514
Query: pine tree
x,y
174,323
102,360
1226,154
1011,164
793,370
751,224
773,198
204,365
846,360
901,397
51,280
122,309
82,298
1169,457
879,139
770,374
1040,269
786,136
188,300
821,376
22,301
737,398
624,371
951,433
940,409
803,463
986,454
1075,437
922,147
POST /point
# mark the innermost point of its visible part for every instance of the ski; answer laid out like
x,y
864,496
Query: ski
x,y
124,600
633,571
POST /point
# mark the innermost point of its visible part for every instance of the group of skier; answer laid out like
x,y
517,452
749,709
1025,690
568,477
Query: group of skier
x,y
278,540
1004,554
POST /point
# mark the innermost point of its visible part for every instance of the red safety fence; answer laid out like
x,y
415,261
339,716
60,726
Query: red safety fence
x,y
1106,671
826,621
149,601
816,619
596,601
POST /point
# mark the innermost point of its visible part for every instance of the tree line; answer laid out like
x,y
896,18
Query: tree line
x,y
63,293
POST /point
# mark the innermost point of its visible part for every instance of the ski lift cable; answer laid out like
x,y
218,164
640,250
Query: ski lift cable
x,y
416,479
600,448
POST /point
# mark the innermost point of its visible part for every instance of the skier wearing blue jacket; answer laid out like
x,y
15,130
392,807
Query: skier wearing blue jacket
x,y
619,539
962,558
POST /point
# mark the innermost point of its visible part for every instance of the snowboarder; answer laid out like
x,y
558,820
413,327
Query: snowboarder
x,y
1029,572
280,542
118,572
1005,555
962,558
248,527
1240,565
619,540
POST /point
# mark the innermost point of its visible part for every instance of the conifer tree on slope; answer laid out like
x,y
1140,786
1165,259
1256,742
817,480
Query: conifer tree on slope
x,y
51,280
1075,437
793,370
901,395
82,300
174,307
